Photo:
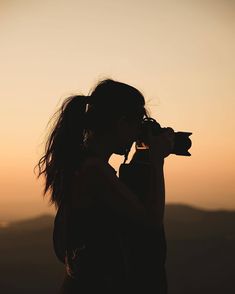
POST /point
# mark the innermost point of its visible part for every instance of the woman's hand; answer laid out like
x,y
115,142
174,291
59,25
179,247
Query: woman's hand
x,y
161,146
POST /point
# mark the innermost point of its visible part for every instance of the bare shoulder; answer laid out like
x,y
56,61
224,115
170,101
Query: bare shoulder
x,y
92,174
85,182
97,167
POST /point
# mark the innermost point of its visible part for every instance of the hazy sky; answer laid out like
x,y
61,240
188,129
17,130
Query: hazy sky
x,y
180,54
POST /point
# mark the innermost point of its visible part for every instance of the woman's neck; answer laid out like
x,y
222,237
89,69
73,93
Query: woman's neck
x,y
99,146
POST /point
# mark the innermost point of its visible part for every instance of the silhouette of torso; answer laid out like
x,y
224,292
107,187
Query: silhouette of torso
x,y
87,240
145,247
104,253
93,256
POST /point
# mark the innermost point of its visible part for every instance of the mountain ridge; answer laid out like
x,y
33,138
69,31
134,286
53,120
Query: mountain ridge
x,y
200,253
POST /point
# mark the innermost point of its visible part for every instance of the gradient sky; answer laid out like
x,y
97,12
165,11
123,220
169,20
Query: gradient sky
x,y
180,54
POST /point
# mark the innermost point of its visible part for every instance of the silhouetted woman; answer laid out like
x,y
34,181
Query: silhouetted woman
x,y
97,212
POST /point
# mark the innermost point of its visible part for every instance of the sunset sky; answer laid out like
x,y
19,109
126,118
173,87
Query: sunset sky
x,y
180,54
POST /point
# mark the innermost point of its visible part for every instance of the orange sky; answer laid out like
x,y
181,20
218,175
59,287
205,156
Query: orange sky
x,y
180,54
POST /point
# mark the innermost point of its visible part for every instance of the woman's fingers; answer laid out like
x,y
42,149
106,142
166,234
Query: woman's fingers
x,y
161,145
169,134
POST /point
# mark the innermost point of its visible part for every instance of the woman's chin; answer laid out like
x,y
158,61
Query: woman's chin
x,y
123,150
120,151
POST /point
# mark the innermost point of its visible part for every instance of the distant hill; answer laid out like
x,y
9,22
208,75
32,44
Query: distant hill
x,y
37,223
200,259
186,222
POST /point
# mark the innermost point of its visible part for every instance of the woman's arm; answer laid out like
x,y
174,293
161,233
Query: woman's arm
x,y
145,180
159,148
100,181
156,197
118,197
115,195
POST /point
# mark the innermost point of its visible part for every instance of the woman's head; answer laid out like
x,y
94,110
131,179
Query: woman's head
x,y
113,110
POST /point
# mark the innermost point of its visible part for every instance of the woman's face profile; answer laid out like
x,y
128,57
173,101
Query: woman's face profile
x,y
127,133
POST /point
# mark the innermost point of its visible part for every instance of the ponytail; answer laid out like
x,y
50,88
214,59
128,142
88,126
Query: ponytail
x,y
62,147
75,120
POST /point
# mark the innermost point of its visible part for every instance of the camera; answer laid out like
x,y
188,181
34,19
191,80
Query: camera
x,y
182,141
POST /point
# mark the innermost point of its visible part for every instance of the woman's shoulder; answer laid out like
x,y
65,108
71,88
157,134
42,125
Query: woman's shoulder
x,y
86,183
93,164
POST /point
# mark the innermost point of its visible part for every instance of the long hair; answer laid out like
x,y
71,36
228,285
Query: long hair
x,y
79,114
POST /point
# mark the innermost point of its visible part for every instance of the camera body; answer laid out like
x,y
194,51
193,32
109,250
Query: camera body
x,y
182,141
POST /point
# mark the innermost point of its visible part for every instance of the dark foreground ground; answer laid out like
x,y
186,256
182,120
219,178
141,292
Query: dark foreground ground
x,y
201,253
